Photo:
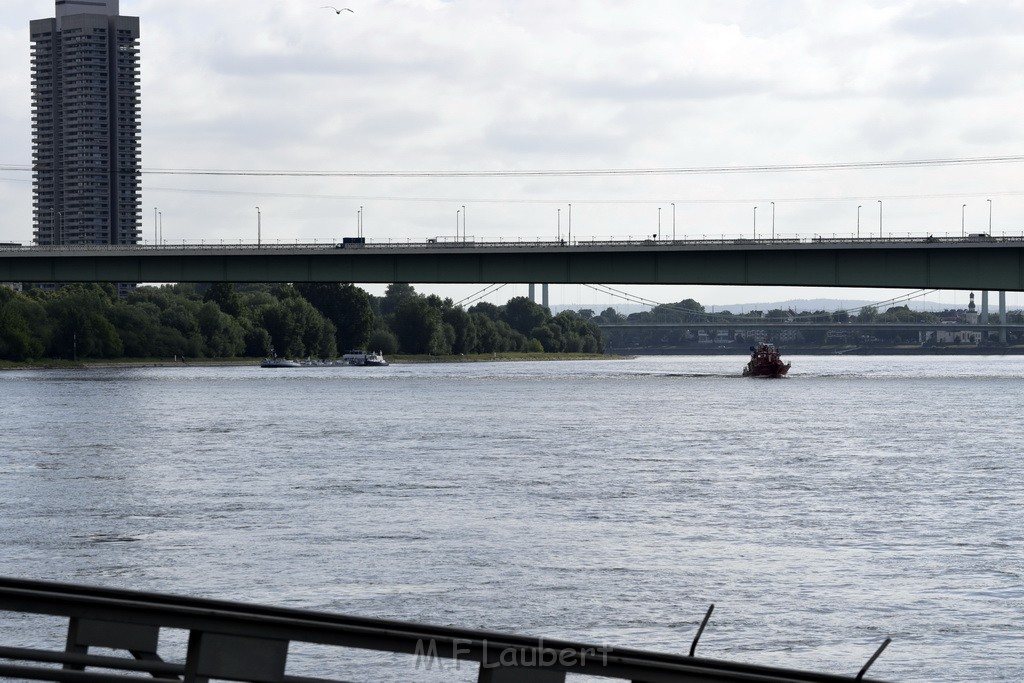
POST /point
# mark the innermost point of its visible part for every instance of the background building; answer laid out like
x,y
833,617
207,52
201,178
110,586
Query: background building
x,y
85,125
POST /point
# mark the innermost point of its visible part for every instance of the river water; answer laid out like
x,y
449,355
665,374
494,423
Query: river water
x,y
604,501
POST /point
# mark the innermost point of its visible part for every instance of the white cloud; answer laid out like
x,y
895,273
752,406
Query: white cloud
x,y
485,85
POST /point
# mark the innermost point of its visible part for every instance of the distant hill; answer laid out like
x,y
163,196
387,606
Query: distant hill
x,y
624,309
831,305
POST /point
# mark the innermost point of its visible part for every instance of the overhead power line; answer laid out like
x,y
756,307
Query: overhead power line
x,y
591,172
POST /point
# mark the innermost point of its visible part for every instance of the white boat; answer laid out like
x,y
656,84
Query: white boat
x,y
361,357
280,363
275,362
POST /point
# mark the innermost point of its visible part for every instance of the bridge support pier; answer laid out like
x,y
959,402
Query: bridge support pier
x,y
984,307
533,293
544,295
1002,316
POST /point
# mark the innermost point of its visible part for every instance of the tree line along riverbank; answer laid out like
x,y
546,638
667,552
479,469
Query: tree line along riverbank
x,y
224,321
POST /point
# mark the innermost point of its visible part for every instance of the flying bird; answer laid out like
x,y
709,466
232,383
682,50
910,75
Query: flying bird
x,y
336,10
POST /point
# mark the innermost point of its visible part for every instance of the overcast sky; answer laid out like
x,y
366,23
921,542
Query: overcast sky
x,y
489,85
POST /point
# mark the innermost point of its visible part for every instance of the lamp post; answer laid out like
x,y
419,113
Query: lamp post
x,y
259,227
990,216
360,221
879,219
457,212
963,216
659,222
558,222
673,221
858,222
156,236
570,225
755,222
161,215
463,222
773,220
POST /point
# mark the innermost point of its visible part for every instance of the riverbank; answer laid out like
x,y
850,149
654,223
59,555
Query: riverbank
x,y
58,364
502,357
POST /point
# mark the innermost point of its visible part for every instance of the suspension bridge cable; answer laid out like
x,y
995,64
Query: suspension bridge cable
x,y
476,296
478,299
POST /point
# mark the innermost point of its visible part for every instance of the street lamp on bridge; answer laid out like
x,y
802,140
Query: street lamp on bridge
x,y
879,219
773,220
259,227
673,221
858,221
989,216
963,217
755,222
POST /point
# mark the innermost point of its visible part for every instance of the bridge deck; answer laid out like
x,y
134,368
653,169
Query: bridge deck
x,y
995,263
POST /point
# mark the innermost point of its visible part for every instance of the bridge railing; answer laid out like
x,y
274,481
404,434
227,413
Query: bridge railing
x,y
244,642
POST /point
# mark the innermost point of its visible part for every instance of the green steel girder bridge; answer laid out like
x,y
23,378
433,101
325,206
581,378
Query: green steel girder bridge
x,y
973,262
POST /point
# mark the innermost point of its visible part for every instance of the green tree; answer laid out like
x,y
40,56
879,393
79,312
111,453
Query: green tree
x,y
419,328
138,325
383,340
394,296
348,307
27,327
81,329
463,330
222,335
223,294
523,315
487,336
549,336
17,342
610,316
258,341
868,314
280,325
181,325
296,329
486,309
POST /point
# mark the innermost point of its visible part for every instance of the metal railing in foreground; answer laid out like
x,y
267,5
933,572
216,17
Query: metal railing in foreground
x,y
244,642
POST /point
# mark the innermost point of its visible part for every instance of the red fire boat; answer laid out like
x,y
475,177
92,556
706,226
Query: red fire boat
x,y
765,361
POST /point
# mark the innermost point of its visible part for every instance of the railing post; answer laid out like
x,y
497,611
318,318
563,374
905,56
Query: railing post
x,y
234,658
138,639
